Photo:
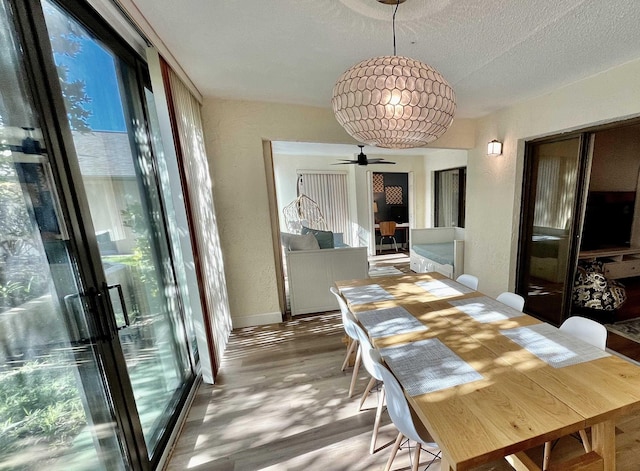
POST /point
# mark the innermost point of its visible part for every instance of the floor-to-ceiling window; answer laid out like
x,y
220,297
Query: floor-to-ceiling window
x,y
94,346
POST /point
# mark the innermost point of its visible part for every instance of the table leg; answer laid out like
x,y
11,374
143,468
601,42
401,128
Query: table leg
x,y
603,437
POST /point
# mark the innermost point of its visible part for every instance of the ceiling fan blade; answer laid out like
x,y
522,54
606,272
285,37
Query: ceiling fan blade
x,y
380,161
346,162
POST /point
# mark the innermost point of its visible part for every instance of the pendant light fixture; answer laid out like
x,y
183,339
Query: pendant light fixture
x,y
393,101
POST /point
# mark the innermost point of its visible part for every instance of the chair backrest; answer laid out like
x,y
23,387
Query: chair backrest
x,y
353,330
397,404
586,329
372,367
469,281
387,228
347,318
512,300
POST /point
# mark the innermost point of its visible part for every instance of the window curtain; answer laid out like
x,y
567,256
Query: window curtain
x,y
329,191
197,188
448,197
553,207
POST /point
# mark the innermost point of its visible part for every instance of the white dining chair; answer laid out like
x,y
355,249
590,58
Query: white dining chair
x,y
469,281
401,416
373,368
353,336
351,326
512,300
585,329
595,334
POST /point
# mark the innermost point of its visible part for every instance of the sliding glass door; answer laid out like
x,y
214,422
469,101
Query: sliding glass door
x,y
56,410
95,362
117,173
552,202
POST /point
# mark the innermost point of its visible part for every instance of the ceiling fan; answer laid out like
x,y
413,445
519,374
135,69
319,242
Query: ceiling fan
x,y
362,160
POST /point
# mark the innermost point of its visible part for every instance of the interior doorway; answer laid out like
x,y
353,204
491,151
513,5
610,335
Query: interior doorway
x,y
391,203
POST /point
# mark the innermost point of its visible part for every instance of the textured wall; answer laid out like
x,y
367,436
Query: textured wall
x,y
234,134
494,184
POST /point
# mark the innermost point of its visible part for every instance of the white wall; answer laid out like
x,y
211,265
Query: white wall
x,y
494,184
235,131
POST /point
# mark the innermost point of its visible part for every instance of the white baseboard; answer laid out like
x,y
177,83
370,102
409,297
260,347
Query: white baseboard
x,y
258,319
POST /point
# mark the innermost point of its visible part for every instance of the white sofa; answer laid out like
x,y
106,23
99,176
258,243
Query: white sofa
x,y
312,272
439,249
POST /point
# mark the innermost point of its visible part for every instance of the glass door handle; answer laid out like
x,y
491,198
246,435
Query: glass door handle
x,y
123,305
82,330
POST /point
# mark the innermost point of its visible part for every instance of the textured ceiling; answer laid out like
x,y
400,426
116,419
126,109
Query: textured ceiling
x,y
493,52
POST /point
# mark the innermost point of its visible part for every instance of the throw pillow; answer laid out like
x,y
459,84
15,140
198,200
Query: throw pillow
x,y
285,239
324,238
303,242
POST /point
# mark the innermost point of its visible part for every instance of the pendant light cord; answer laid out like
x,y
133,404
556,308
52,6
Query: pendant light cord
x,y
394,27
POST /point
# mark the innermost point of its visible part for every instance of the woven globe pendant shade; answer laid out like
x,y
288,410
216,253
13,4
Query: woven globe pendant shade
x,y
393,102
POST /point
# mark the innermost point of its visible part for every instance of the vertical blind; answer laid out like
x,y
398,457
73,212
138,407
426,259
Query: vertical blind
x,y
448,197
554,205
199,198
329,191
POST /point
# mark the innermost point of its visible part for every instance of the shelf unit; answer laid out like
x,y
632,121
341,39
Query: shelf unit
x,y
622,262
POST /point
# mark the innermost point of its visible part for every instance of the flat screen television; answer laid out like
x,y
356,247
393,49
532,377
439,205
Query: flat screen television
x,y
608,220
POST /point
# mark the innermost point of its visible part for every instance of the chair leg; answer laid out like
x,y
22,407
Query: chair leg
x,y
352,345
395,244
356,367
546,456
394,451
416,457
585,441
376,424
367,390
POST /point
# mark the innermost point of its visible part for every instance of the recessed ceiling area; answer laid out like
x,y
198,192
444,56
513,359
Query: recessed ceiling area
x,y
494,53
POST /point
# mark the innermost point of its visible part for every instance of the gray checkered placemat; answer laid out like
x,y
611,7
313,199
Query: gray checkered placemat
x,y
427,366
365,294
485,309
553,346
391,321
444,288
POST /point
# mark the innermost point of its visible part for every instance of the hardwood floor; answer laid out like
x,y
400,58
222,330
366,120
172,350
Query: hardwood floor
x,y
280,404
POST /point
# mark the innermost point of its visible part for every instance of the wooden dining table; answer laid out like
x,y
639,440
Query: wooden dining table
x,y
501,398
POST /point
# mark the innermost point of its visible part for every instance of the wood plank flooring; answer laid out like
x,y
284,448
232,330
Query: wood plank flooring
x,y
281,404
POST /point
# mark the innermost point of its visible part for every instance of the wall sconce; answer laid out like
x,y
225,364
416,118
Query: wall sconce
x,y
494,148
